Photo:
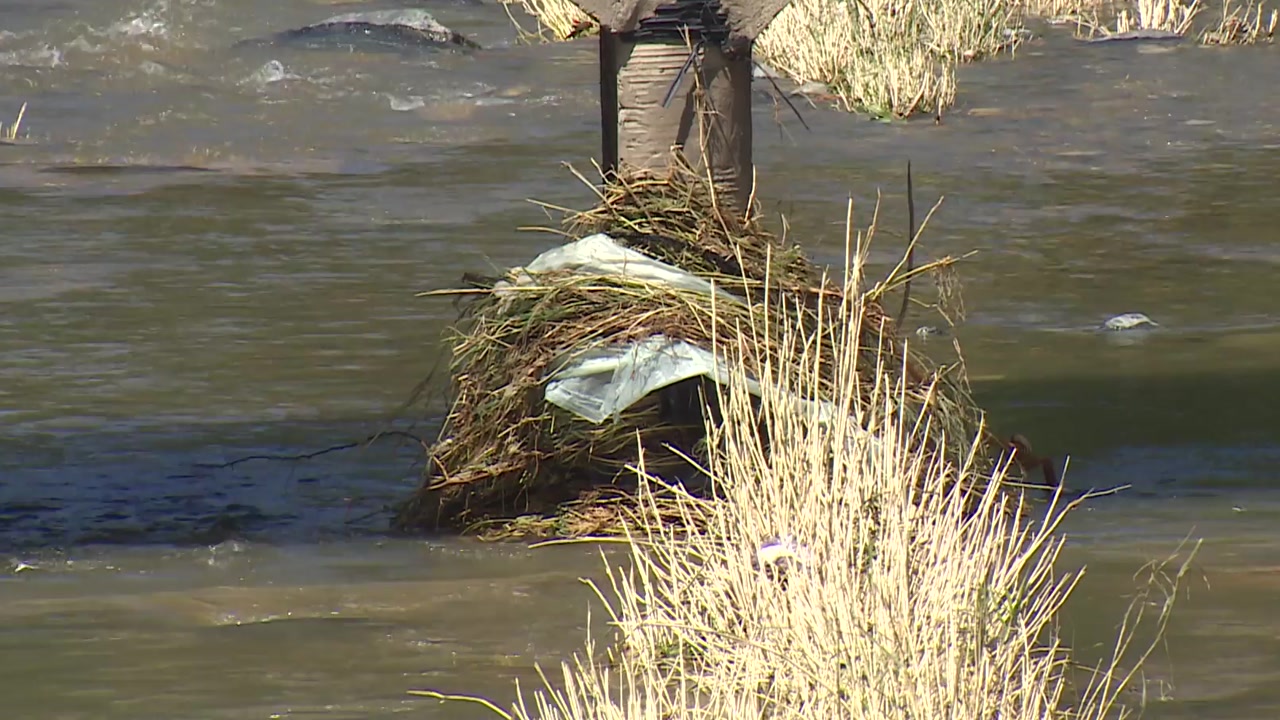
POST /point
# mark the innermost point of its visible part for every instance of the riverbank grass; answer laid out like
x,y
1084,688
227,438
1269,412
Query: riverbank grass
x,y
885,58
1063,11
1172,16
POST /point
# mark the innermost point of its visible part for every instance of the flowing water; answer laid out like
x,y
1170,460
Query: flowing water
x,y
209,253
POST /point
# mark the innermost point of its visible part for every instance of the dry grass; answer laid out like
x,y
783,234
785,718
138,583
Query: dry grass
x,y
839,575
873,60
556,19
1242,25
10,134
892,58
1171,16
1063,10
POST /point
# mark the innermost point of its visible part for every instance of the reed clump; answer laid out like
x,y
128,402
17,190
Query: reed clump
x,y
839,572
872,58
1064,11
1247,24
1157,18
9,135
509,464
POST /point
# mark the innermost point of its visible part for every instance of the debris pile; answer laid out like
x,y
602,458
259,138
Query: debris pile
x,y
609,348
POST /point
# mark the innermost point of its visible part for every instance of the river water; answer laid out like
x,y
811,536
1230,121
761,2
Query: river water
x,y
209,253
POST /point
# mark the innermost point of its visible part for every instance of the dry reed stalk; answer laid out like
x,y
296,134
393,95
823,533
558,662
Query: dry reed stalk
x,y
883,594
969,30
10,134
1242,25
562,19
1063,10
1172,16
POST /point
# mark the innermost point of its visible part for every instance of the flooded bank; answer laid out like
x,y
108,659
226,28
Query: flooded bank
x,y
211,253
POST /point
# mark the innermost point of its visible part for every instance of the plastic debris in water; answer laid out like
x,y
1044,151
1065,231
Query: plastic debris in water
x,y
1128,321
779,554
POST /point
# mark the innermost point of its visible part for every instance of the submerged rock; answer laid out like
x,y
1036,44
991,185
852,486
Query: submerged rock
x,y
380,29
1129,321
1136,35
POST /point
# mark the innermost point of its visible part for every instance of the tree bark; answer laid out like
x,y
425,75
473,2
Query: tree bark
x,y
708,119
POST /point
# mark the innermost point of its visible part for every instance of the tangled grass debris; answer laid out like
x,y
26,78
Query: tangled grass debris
x,y
509,464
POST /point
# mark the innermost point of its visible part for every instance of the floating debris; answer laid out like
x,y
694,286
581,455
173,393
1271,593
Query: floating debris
x,y
777,556
1128,321
782,550
761,71
542,433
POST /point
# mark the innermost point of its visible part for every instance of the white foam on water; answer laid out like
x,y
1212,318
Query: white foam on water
x,y
273,71
405,104
43,56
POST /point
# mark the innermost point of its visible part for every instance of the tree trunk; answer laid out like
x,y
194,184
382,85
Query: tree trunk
x,y
708,118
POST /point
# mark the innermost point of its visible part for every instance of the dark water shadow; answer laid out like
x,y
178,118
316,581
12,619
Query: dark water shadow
x,y
1206,433
1186,435
199,484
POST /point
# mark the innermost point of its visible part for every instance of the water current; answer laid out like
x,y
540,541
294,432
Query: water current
x,y
210,251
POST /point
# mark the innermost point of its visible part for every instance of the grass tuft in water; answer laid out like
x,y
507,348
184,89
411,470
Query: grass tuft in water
x,y
1249,24
556,20
1063,11
1174,17
10,134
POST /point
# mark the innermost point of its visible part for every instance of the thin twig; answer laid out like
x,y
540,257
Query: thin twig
x,y
474,699
314,454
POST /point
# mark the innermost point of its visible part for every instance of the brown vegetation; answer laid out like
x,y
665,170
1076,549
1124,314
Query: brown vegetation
x,y
839,571
508,463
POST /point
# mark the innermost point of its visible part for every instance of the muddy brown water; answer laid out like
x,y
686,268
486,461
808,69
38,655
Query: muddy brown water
x,y
211,253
